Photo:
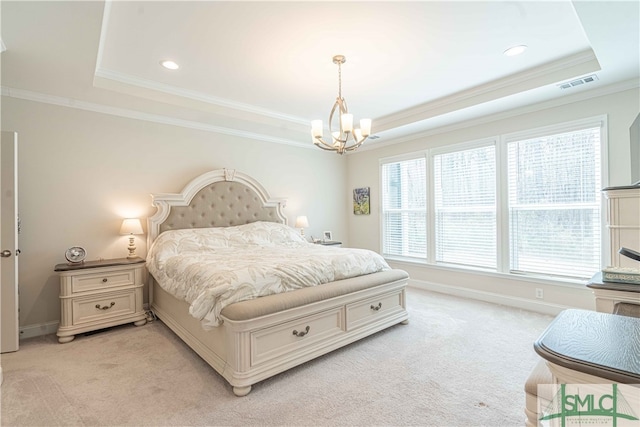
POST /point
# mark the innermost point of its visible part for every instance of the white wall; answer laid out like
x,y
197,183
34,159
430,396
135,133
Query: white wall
x,y
81,172
363,170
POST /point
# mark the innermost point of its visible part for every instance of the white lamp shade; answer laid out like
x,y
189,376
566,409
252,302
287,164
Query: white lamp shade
x,y
302,222
131,226
365,127
347,123
316,128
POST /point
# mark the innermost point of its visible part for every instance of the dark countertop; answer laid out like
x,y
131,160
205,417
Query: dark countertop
x,y
601,344
97,264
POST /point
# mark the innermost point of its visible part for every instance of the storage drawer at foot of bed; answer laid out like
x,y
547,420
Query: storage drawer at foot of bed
x,y
103,307
294,336
372,309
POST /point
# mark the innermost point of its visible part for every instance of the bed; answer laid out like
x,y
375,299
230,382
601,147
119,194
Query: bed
x,y
249,340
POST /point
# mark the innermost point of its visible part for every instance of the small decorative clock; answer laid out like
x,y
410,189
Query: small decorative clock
x,y
75,254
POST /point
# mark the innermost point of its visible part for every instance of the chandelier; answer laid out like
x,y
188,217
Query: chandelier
x,y
345,138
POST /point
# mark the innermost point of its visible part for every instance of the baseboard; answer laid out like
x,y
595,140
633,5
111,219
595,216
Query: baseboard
x,y
31,331
526,304
40,329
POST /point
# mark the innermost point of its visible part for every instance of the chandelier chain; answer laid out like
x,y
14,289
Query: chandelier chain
x,y
340,80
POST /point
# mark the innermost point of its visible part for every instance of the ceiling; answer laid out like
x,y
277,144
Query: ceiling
x,y
264,69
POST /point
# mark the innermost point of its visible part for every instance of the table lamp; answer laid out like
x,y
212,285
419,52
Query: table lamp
x,y
131,226
302,222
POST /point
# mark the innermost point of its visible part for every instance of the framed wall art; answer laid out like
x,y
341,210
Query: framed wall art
x,y
361,201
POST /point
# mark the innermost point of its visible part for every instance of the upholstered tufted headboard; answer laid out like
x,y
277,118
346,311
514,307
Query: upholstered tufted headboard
x,y
219,198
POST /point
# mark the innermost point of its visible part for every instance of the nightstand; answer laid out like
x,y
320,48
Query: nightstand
x,y
329,243
100,294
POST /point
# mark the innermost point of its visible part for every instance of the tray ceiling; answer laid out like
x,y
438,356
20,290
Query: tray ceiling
x,y
264,70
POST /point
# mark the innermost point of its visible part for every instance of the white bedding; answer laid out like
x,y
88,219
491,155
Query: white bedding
x,y
211,268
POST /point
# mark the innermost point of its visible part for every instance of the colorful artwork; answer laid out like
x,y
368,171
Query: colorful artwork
x,y
361,201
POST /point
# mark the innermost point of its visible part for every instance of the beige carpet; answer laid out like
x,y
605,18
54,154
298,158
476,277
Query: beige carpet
x,y
458,363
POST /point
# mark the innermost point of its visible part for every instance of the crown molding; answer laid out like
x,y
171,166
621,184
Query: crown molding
x,y
565,68
557,102
138,115
173,91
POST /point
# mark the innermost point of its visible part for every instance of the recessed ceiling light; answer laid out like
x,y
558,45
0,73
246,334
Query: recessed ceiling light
x,y
515,50
169,64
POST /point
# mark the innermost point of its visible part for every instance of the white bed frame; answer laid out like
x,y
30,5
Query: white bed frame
x,y
246,350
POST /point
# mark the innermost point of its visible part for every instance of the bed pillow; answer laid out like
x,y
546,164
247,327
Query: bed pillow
x,y
264,234
174,242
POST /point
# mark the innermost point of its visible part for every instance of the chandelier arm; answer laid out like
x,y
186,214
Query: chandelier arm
x,y
353,147
342,109
364,138
333,110
343,106
357,143
340,79
338,149
321,144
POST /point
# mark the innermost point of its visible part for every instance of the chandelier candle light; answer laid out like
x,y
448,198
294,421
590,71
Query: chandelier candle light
x,y
346,138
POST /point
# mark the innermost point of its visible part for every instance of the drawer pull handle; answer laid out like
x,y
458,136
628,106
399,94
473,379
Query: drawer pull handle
x,y
106,307
301,333
376,307
104,280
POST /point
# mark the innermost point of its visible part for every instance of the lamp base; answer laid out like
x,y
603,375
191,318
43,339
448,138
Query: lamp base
x,y
132,248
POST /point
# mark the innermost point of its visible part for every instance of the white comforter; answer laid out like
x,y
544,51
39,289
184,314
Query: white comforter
x,y
211,268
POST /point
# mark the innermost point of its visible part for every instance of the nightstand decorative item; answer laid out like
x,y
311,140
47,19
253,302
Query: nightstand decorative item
x,y
100,294
75,254
329,243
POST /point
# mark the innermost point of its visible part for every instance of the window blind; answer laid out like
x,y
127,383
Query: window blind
x,y
554,204
465,207
404,213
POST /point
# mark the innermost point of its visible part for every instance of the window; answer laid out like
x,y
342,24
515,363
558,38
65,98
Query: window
x,y
465,207
526,203
404,208
554,204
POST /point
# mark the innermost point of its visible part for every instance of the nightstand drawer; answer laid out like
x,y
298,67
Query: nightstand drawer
x,y
111,279
105,306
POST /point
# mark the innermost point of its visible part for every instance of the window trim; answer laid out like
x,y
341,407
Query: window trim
x,y
502,221
431,205
423,154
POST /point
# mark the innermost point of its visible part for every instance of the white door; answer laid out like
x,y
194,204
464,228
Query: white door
x,y
9,242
